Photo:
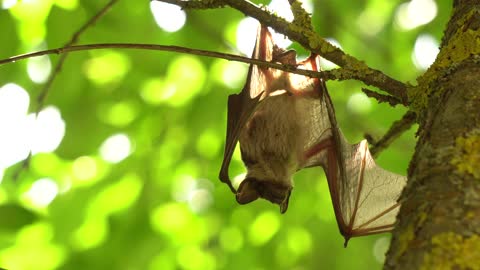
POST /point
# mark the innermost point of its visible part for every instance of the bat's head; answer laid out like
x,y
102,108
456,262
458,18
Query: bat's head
x,y
251,189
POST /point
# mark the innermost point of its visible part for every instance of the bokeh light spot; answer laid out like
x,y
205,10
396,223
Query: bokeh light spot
x,y
67,4
425,51
359,103
282,9
119,114
192,257
6,4
92,233
151,91
200,200
185,79
86,171
265,226
246,35
374,17
182,187
22,133
48,130
171,217
14,102
232,74
33,250
170,18
42,192
107,67
45,163
117,197
116,148
415,13
84,168
39,68
299,241
31,17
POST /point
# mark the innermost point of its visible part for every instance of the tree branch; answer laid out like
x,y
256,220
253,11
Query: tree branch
x,y
300,15
397,129
393,101
46,87
195,4
352,67
336,74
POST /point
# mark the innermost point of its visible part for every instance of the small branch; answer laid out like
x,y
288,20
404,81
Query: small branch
x,y
23,167
46,87
393,101
58,67
397,129
352,67
195,4
326,75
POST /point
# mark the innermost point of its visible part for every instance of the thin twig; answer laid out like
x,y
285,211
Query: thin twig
x,y
393,101
326,75
353,68
195,4
397,129
46,87
58,67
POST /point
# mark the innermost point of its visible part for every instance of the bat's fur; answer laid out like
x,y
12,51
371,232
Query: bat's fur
x,y
270,140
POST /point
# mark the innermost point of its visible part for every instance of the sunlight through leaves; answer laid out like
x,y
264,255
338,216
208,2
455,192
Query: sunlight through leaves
x,y
425,51
170,18
116,148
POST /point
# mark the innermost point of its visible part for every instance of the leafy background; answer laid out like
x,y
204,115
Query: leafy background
x,y
133,183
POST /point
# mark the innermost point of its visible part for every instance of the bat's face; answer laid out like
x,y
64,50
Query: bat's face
x,y
276,192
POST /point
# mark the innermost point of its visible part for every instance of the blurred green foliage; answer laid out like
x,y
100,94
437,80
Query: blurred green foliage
x,y
162,207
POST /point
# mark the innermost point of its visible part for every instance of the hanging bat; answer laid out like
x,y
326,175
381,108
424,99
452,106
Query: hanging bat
x,y
286,122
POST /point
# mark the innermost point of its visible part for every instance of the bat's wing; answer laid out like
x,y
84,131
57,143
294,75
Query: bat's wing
x,y
368,196
242,106
364,196
315,123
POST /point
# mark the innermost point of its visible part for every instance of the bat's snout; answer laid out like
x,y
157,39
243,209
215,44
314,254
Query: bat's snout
x,y
247,191
251,189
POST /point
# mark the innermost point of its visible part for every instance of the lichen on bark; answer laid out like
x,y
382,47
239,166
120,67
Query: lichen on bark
x,y
467,158
453,251
464,43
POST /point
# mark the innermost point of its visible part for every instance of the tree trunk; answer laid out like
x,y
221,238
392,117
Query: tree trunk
x,y
439,221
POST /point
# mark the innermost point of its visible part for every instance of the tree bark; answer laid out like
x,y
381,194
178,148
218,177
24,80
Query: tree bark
x,y
439,221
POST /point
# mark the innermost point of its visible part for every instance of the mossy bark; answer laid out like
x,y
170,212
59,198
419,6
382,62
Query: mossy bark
x,y
439,221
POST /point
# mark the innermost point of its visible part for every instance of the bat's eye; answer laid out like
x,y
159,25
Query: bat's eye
x,y
248,191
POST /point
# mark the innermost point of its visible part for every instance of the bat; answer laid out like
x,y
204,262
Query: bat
x,y
285,122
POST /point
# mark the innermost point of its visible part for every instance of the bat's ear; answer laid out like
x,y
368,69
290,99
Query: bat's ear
x,y
264,45
247,191
285,57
